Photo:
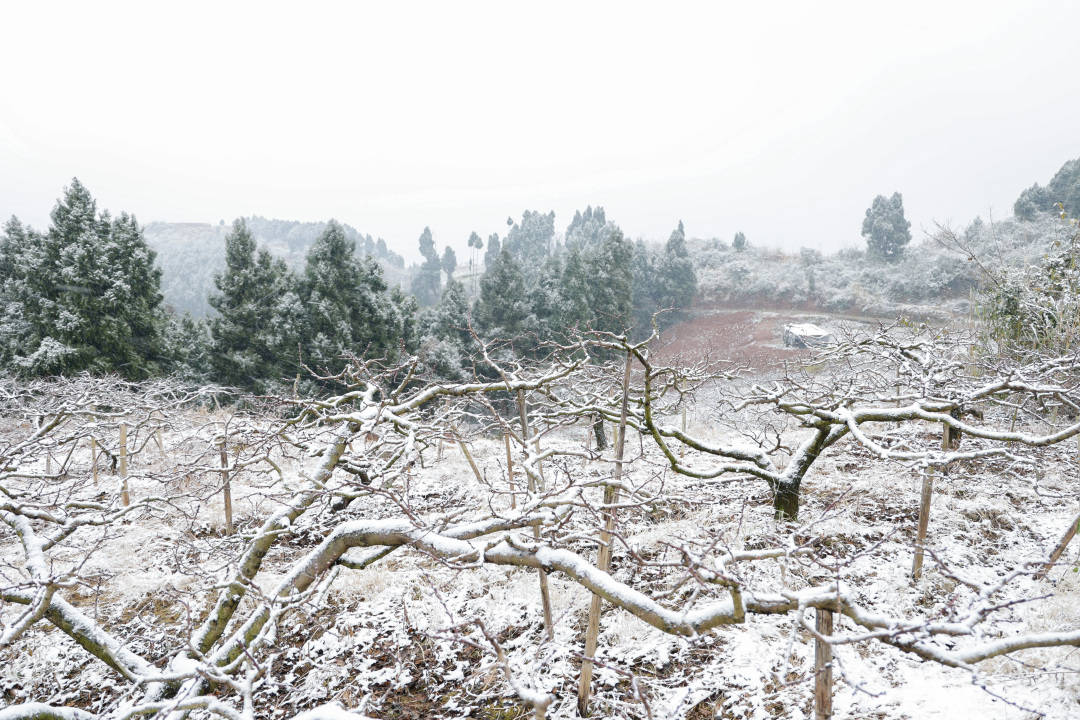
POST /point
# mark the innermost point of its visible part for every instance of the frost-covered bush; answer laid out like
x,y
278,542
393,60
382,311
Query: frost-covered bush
x,y
848,279
1037,306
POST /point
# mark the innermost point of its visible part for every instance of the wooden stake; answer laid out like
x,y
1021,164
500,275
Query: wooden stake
x,y
603,561
924,510
1070,532
160,443
545,595
510,472
227,489
823,667
469,457
125,497
93,458
682,446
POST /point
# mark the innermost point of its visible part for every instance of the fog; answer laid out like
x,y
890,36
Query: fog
x,y
780,121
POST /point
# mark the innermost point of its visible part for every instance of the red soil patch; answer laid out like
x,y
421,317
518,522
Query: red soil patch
x,y
747,337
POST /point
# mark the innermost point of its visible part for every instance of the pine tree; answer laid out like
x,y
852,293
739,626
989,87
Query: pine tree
x,y
449,263
885,228
675,277
427,283
587,229
188,345
530,241
83,296
502,308
255,334
348,309
611,288
446,336
575,310
493,250
646,287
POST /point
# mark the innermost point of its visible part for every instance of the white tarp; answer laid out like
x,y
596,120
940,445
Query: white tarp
x,y
806,335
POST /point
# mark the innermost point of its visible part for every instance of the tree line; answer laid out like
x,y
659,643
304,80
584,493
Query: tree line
x,y
85,296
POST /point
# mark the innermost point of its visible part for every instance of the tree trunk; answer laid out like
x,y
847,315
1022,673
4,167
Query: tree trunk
x,y
786,501
598,432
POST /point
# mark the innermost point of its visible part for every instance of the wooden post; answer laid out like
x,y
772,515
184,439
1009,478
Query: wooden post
x,y
226,488
545,595
160,442
1070,532
603,560
469,457
682,445
125,497
823,666
510,472
924,510
93,458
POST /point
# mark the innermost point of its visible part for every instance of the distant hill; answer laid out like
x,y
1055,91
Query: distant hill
x,y
190,254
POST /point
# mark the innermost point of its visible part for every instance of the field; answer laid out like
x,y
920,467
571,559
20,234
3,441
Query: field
x,y
430,632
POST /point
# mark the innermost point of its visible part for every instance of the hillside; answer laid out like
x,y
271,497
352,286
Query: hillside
x,y
189,255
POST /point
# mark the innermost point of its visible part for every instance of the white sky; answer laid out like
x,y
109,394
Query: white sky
x,y
779,119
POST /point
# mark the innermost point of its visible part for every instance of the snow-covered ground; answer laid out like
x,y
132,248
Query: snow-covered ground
x,y
388,640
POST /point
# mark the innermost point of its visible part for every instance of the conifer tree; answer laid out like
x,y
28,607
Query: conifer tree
x,y
885,228
449,263
611,288
83,296
446,336
530,241
347,306
646,287
255,334
427,283
574,309
675,276
502,308
493,249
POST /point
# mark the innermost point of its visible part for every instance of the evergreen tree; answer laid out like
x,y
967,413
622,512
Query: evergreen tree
x,y
188,346
587,229
449,263
427,244
493,249
83,296
675,277
346,302
254,337
611,296
427,282
574,309
545,298
597,283
446,338
645,293
531,240
1064,188
502,308
739,243
885,228
21,254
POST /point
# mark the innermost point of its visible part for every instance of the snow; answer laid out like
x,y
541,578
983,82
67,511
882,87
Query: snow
x,y
387,630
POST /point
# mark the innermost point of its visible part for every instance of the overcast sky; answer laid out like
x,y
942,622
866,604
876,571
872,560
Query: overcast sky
x,y
779,119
